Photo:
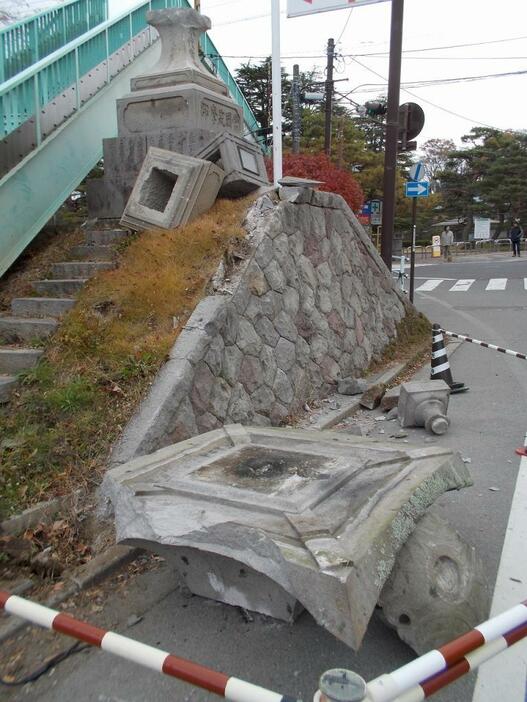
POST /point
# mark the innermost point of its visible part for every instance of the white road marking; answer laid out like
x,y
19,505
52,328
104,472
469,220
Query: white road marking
x,y
462,285
497,284
430,285
505,676
525,283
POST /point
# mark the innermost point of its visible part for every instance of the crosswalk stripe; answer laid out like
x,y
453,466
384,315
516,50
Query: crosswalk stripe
x,y
462,285
430,285
497,284
525,283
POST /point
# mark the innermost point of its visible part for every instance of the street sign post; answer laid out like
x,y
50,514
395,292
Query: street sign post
x,y
297,8
417,188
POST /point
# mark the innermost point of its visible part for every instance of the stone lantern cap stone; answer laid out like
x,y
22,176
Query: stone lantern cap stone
x,y
241,161
171,189
275,519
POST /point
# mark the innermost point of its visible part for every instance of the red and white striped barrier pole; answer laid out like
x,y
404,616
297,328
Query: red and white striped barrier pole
x,y
426,675
516,354
225,686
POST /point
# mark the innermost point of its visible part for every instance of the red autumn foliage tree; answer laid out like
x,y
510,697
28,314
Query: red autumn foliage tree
x,y
319,167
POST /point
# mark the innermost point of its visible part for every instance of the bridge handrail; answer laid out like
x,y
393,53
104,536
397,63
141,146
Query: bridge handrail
x,y
25,42
23,96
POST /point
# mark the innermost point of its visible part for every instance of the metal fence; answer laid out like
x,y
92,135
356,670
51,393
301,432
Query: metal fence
x,y
24,43
466,247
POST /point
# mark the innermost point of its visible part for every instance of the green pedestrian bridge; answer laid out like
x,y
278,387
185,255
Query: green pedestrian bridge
x,y
60,75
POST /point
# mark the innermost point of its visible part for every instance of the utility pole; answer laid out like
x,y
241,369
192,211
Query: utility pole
x,y
329,95
197,5
297,114
392,131
277,92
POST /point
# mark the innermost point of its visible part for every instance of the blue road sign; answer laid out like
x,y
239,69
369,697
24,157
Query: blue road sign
x,y
366,209
417,188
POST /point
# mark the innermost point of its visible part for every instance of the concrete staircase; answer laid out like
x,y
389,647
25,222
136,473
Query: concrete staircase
x,y
35,318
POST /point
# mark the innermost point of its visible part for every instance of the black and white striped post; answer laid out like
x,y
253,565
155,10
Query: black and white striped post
x,y
440,366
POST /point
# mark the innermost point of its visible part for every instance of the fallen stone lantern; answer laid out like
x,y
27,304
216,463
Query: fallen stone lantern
x,y
241,161
171,189
277,520
424,404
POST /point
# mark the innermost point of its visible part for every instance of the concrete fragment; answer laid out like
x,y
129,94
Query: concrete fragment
x,y
438,589
391,398
241,161
170,190
352,386
373,396
424,404
283,504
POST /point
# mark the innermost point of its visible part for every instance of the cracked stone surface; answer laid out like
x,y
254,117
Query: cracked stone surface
x,y
271,519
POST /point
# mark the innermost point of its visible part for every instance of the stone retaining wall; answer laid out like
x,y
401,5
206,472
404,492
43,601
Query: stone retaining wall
x,y
312,303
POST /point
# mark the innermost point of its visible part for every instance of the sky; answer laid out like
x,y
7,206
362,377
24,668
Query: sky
x,y
241,30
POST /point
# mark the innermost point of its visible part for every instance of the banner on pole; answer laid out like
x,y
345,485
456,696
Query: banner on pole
x,y
297,8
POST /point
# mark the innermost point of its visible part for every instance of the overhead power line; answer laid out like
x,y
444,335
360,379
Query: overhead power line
x,y
428,102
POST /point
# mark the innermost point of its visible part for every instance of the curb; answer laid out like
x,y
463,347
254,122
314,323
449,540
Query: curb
x,y
91,573
328,418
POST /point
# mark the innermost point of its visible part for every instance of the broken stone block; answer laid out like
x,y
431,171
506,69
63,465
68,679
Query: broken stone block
x,y
391,398
352,386
171,189
373,396
265,518
241,161
447,593
424,404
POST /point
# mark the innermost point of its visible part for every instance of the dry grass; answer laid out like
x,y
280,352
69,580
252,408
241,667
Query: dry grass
x,y
56,434
413,341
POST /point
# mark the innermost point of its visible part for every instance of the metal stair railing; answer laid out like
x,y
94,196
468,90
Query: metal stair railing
x,y
24,43
37,101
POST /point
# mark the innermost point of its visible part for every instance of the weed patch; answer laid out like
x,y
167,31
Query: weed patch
x,y
56,434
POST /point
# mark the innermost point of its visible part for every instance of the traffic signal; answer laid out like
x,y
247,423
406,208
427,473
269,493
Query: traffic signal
x,y
375,108
411,122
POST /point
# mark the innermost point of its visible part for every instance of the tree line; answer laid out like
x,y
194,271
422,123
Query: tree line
x,y
484,177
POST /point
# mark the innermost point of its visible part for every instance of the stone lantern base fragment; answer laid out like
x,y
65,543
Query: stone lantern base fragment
x,y
170,190
275,519
242,162
424,404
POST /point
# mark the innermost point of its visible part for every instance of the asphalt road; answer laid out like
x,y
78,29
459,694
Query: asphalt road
x,y
488,422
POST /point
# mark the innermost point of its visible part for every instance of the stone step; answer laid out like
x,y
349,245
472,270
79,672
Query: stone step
x,y
14,329
41,306
79,269
105,236
7,384
58,288
16,360
94,252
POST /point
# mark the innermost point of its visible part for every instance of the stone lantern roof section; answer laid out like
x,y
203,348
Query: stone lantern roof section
x,y
179,31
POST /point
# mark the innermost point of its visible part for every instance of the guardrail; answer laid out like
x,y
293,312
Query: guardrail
x,y
24,43
39,100
463,247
